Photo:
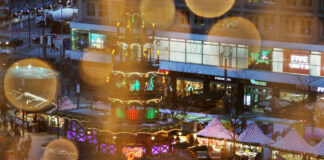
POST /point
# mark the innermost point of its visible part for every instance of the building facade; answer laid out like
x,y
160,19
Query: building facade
x,y
288,65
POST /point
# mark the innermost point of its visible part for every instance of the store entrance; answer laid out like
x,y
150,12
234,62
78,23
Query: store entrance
x,y
257,98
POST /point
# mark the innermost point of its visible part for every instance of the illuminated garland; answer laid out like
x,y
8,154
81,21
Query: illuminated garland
x,y
164,129
155,100
134,73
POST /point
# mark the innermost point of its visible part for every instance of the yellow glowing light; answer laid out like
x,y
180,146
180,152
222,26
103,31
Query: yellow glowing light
x,y
127,26
210,8
158,13
118,24
107,79
31,86
61,149
163,80
237,27
92,73
113,52
158,52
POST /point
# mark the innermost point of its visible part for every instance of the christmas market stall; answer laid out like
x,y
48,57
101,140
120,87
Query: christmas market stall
x,y
317,151
214,135
251,141
292,146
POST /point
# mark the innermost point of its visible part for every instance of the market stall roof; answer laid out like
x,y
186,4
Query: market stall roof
x,y
215,129
292,142
253,134
66,104
318,149
100,105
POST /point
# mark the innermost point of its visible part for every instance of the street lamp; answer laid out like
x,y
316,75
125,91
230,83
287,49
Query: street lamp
x,y
227,53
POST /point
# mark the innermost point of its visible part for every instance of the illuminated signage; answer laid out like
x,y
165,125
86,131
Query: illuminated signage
x,y
132,153
262,57
299,62
222,79
320,89
165,72
259,83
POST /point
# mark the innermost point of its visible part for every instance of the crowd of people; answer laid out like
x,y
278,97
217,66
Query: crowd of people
x,y
12,144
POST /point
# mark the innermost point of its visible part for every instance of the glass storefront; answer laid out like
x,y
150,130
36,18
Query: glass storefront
x,y
293,96
255,96
87,40
186,87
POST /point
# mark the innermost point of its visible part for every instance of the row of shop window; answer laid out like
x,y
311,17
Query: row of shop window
x,y
254,96
212,53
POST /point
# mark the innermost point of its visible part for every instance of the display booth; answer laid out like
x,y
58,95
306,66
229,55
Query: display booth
x,y
292,147
214,136
317,151
251,142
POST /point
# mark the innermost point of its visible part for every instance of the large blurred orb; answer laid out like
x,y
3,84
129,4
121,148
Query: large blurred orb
x,y
60,149
94,73
159,12
237,27
209,8
30,85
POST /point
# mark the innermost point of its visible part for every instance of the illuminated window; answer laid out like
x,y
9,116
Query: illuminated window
x,y
97,40
151,114
133,114
120,113
135,86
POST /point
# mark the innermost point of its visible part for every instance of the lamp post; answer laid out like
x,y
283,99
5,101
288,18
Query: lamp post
x,y
78,95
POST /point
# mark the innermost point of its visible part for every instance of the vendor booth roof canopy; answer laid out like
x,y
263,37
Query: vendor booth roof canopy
x,y
318,149
292,142
253,134
215,129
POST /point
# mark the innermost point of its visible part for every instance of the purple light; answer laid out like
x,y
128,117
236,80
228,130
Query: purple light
x,y
163,149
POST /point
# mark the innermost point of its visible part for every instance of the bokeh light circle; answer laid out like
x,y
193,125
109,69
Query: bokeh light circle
x,y
237,27
61,149
159,12
30,85
210,8
94,73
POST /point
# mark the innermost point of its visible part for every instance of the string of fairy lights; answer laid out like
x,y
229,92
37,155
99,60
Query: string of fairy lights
x,y
122,132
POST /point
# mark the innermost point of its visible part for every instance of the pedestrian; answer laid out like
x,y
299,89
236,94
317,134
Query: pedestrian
x,y
12,123
52,47
5,124
17,131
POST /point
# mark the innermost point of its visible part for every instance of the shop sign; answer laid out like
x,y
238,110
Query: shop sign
x,y
320,89
132,153
258,83
296,61
261,60
299,62
165,72
223,79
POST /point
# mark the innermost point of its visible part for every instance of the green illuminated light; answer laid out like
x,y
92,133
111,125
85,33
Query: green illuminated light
x,y
151,113
120,113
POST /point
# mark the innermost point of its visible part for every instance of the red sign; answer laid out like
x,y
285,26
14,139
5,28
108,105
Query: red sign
x,y
296,62
322,64
133,114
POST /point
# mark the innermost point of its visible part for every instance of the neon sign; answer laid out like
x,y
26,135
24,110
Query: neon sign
x,y
299,62
259,83
261,58
132,153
